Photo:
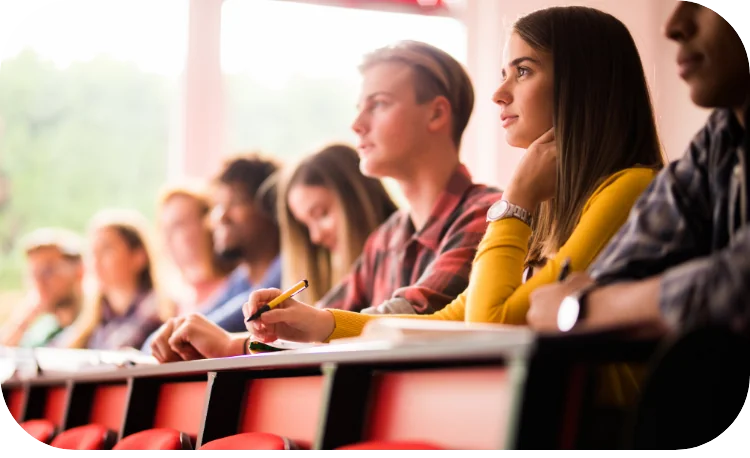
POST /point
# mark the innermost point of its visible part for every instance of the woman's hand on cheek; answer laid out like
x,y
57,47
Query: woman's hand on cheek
x,y
535,178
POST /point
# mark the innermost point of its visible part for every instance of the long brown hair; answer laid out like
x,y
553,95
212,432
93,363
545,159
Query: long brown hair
x,y
132,228
365,203
603,116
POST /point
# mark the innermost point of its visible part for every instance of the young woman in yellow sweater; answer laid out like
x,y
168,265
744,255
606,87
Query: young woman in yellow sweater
x,y
574,95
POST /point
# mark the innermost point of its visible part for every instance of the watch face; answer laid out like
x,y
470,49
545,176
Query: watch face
x,y
567,314
497,210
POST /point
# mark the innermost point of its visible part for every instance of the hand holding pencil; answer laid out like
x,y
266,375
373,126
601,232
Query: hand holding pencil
x,y
288,294
276,315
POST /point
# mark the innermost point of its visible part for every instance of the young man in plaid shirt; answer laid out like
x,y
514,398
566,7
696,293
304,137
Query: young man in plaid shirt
x,y
415,104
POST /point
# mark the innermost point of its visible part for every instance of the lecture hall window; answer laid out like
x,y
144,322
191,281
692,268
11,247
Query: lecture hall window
x,y
290,68
87,106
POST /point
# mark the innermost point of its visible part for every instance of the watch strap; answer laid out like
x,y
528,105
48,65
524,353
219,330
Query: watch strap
x,y
511,211
583,306
520,213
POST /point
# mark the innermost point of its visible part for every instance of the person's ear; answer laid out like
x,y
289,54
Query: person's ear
x,y
440,114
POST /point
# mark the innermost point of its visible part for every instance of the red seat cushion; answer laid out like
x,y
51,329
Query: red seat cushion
x,y
87,437
250,441
41,430
391,445
153,439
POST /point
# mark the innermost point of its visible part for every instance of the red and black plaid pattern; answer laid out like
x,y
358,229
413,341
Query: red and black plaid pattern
x,y
426,268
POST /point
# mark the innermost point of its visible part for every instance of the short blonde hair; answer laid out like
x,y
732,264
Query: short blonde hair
x,y
436,73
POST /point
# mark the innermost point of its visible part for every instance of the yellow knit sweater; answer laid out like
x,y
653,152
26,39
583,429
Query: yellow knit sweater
x,y
496,292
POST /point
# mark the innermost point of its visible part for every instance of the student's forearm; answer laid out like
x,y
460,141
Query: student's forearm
x,y
236,345
626,304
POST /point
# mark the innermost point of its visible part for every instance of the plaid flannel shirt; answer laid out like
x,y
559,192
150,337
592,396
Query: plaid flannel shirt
x,y
690,226
405,271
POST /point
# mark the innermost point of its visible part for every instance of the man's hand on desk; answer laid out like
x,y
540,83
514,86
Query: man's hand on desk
x,y
194,337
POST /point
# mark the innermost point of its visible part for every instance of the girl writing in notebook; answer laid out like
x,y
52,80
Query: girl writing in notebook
x,y
327,210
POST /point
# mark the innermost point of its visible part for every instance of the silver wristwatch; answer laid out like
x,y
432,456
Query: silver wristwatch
x,y
573,308
503,209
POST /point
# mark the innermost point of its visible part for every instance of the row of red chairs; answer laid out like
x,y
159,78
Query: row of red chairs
x,y
97,437
398,405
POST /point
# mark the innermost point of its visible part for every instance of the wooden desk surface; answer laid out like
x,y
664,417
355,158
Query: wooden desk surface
x,y
511,347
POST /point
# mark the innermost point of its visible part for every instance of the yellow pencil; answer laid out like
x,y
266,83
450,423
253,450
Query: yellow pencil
x,y
279,299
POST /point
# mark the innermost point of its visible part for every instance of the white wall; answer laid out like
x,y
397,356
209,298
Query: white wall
x,y
484,150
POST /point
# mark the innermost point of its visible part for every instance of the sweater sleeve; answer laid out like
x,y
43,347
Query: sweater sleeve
x,y
496,293
351,324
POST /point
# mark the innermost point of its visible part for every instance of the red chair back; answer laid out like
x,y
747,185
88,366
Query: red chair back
x,y
108,405
269,407
250,441
54,406
472,411
16,401
179,406
87,437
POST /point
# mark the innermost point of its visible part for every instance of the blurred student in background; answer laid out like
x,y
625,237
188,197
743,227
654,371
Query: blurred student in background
x,y
245,229
188,241
243,221
126,303
209,280
327,210
55,272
